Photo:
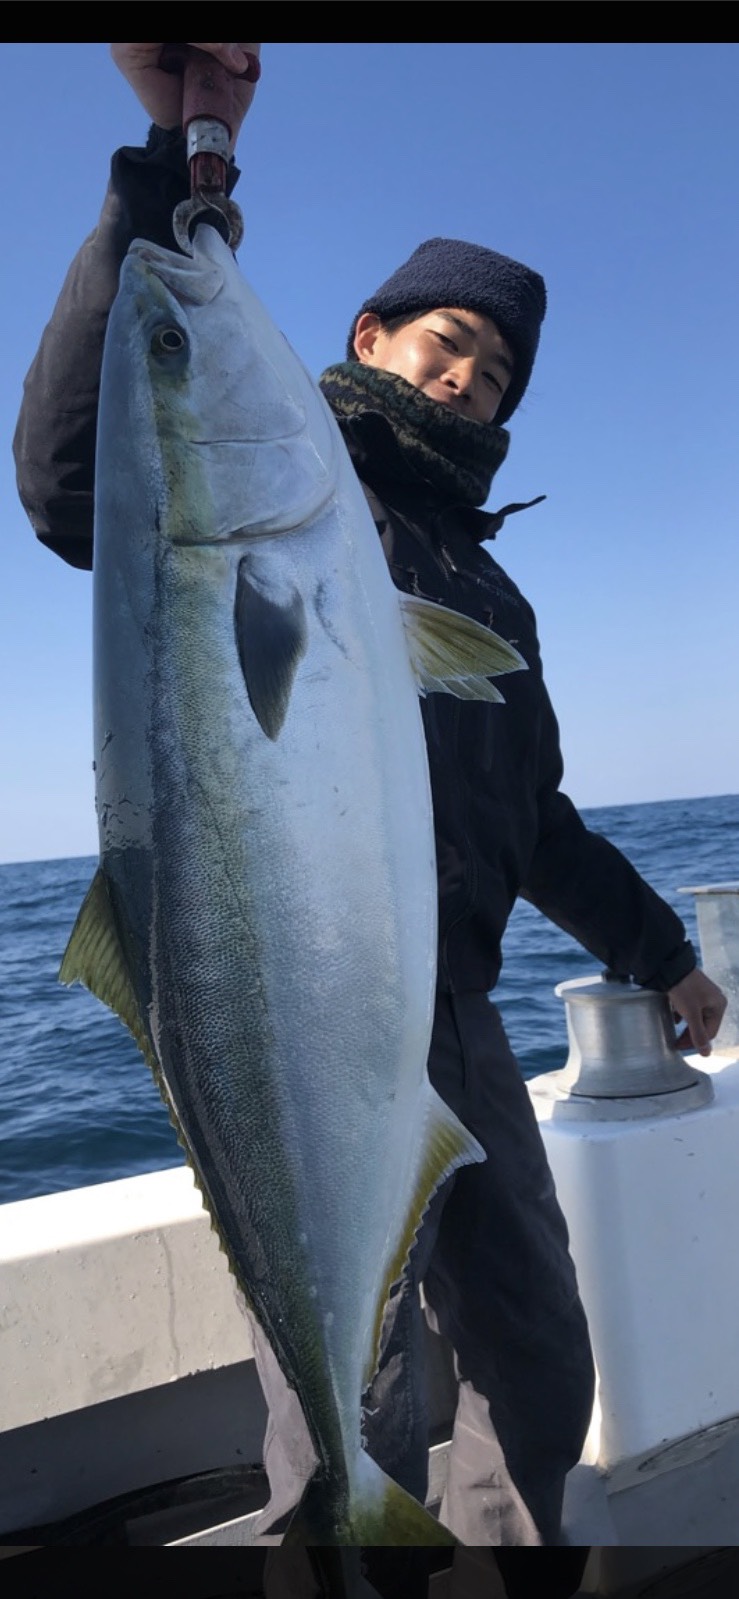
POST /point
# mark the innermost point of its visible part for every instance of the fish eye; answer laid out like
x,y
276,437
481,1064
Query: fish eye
x,y
168,341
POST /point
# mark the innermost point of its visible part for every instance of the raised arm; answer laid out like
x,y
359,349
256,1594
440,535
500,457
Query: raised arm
x,y
54,444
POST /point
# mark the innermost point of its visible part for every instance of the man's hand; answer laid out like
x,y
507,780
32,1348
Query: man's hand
x,y
160,92
701,1005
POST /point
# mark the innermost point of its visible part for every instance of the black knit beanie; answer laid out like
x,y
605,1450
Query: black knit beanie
x,y
451,272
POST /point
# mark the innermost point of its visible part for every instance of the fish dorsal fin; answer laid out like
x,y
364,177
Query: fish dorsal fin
x,y
453,654
95,956
271,638
445,1146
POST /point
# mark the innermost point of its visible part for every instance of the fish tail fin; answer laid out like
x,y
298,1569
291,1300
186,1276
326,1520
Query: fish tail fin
x,y
383,1513
368,1510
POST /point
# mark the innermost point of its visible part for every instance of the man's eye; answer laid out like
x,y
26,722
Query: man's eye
x,y
445,339
492,380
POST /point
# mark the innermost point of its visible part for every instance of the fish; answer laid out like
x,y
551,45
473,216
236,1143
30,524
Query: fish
x,y
263,917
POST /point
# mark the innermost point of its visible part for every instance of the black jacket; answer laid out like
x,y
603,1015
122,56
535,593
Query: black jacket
x,y
503,826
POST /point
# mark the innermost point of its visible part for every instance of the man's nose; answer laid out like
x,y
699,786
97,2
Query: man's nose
x,y
461,375
461,379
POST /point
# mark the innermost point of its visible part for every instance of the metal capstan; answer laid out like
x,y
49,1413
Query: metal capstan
x,y
624,1062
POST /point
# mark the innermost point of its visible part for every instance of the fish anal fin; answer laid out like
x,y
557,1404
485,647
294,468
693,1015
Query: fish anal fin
x,y
446,1146
271,638
453,654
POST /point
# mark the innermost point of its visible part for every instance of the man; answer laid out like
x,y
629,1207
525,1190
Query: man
x,y
438,358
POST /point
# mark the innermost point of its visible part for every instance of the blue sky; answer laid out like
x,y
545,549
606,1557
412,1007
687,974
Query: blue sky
x,y
610,168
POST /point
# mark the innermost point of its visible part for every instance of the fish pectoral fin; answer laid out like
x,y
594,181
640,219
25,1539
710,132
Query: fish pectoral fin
x,y
95,956
453,654
445,1146
271,638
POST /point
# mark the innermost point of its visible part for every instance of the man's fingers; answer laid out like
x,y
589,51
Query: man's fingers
x,y
160,91
232,56
694,1036
701,1004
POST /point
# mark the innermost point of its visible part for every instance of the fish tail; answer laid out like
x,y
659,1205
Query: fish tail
x,y
368,1510
383,1513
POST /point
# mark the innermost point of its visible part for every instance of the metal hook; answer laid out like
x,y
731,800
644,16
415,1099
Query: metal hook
x,y
224,215
207,116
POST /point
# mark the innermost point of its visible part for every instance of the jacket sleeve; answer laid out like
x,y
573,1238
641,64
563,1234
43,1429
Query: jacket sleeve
x,y
54,443
587,887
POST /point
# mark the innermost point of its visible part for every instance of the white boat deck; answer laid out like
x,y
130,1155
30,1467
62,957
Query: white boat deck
x,y
128,1369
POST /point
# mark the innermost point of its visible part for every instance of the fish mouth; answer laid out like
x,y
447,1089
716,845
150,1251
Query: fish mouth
x,y
197,281
237,535
251,438
244,534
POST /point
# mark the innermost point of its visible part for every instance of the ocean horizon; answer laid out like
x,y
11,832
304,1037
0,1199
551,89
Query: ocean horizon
x,y
79,1103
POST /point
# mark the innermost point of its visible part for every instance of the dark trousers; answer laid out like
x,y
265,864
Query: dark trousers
x,y
498,1282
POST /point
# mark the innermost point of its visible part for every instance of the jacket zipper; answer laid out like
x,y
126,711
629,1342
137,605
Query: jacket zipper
x,y
470,873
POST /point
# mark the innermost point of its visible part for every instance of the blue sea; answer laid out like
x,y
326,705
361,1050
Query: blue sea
x,y
78,1104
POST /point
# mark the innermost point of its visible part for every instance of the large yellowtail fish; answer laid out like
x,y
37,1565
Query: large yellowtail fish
x,y
263,918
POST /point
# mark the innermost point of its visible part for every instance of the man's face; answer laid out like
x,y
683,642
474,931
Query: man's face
x,y
455,357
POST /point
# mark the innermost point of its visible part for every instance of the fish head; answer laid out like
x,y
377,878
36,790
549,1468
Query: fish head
x,y
233,435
